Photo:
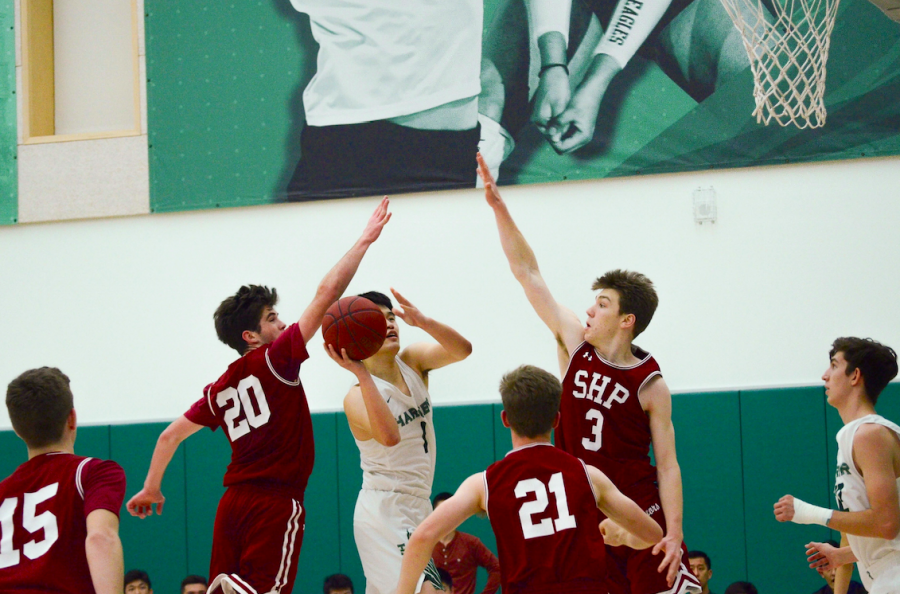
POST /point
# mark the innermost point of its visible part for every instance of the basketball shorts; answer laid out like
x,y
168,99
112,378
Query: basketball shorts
x,y
382,524
886,574
256,541
381,158
636,572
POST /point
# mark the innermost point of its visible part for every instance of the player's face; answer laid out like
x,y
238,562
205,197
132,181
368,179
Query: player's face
x,y
392,338
837,382
270,326
137,587
699,569
603,317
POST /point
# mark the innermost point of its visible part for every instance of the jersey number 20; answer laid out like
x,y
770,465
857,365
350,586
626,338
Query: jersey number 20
x,y
249,390
546,526
46,521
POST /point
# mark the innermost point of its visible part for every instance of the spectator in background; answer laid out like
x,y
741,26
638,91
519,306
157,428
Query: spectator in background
x,y
828,576
446,580
461,554
701,566
193,584
137,582
337,583
741,588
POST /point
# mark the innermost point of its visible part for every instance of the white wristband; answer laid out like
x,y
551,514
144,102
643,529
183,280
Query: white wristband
x,y
806,513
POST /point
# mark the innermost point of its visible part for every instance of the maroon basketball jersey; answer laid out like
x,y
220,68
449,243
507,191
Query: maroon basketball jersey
x,y
602,420
260,405
544,513
43,509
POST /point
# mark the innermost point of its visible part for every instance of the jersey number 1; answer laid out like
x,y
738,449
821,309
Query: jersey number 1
x,y
249,390
546,526
10,557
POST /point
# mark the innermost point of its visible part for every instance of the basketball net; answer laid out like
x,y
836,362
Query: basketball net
x,y
787,56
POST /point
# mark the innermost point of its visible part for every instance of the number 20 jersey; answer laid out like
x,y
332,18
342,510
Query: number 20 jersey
x,y
602,421
543,510
260,405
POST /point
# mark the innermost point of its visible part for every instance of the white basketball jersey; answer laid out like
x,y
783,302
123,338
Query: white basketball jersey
x,y
380,59
874,554
407,467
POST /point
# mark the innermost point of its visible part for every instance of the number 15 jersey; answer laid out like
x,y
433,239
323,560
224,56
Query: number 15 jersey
x,y
543,510
260,405
602,421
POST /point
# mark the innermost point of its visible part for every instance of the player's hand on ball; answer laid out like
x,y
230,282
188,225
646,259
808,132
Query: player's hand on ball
x,y
671,563
784,509
407,312
821,555
351,365
141,505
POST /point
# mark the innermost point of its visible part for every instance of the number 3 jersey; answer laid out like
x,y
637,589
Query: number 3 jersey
x,y
260,405
44,506
602,421
407,467
543,510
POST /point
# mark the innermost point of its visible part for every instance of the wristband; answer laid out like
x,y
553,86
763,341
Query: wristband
x,y
806,513
549,66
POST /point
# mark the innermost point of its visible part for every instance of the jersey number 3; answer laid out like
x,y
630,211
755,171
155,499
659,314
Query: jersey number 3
x,y
249,393
46,521
546,526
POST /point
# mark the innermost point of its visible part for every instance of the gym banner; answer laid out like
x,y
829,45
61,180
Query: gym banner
x,y
292,100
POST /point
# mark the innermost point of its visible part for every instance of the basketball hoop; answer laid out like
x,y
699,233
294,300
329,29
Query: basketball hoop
x,y
787,56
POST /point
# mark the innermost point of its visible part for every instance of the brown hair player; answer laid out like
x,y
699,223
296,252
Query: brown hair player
x,y
261,407
614,404
59,513
544,504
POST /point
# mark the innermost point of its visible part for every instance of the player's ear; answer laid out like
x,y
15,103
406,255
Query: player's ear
x,y
72,420
250,337
504,419
628,321
856,377
556,420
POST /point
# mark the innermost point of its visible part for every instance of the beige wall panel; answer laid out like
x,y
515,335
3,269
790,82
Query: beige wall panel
x,y
75,180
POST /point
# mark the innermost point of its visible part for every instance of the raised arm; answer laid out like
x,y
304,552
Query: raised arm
x,y
335,282
424,356
657,402
563,323
367,413
466,502
141,505
627,514
103,549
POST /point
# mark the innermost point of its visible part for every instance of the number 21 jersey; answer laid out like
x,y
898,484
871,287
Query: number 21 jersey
x,y
602,421
543,510
260,405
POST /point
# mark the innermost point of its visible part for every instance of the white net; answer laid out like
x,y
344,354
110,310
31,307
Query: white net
x,y
787,42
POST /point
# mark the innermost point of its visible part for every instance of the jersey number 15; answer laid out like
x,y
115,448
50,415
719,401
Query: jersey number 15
x,y
46,521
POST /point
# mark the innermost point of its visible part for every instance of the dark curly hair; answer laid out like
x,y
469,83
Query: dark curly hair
x,y
243,311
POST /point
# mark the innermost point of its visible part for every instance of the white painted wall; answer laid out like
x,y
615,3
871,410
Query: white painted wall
x,y
800,255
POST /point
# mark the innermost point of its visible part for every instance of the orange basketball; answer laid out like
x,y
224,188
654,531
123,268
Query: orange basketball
x,y
355,324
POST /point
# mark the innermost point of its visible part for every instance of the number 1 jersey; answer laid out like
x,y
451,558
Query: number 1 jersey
x,y
602,421
543,510
44,506
260,405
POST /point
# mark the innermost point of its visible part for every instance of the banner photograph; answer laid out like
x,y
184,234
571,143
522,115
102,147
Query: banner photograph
x,y
278,100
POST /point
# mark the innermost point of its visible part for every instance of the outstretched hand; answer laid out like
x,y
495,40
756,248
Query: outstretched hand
x,y
784,509
353,366
822,555
491,193
671,562
407,312
377,221
141,505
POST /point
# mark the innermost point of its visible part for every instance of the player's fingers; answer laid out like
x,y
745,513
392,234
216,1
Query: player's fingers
x,y
159,507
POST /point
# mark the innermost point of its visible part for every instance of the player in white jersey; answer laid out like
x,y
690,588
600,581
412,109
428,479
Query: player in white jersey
x,y
867,480
390,416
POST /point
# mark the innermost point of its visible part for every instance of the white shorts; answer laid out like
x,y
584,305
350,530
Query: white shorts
x,y
887,582
382,524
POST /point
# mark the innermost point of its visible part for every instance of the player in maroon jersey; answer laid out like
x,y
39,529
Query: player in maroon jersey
x,y
614,404
544,504
260,405
59,513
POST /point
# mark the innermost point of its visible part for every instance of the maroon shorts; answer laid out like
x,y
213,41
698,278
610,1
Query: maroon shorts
x,y
636,572
256,541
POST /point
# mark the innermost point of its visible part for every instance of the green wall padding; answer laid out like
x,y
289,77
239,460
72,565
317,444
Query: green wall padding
x,y
9,184
739,452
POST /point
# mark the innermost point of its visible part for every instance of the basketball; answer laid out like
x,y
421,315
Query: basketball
x,y
355,324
